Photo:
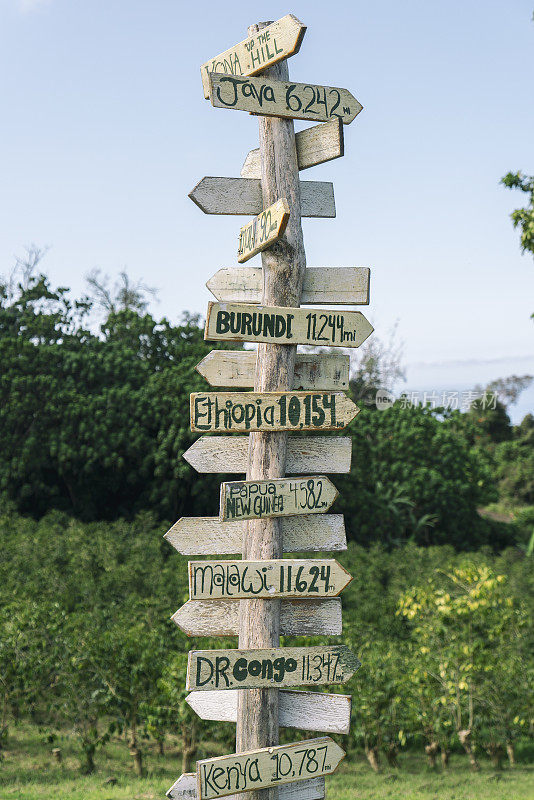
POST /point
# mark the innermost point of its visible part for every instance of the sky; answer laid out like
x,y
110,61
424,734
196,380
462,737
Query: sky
x,y
105,130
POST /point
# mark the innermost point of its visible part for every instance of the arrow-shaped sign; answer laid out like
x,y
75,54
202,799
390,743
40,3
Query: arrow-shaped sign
x,y
297,617
242,196
315,145
229,454
273,98
308,711
270,766
263,231
279,497
276,41
243,412
322,285
185,788
280,577
237,368
237,322
194,536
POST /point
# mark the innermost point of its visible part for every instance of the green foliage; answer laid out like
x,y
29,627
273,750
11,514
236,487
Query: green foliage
x,y
523,218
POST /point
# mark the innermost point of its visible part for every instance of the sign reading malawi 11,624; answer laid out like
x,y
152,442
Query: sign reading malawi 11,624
x,y
270,411
279,497
238,322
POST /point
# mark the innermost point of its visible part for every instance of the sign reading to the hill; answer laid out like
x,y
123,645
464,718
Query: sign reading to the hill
x,y
237,322
210,580
280,497
263,230
273,98
271,411
274,42
280,666
270,766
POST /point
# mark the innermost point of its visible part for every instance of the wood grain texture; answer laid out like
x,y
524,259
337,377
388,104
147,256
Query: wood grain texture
x,y
280,98
291,578
278,40
242,197
209,536
297,617
185,788
308,711
263,231
315,145
228,454
322,285
276,497
236,369
241,322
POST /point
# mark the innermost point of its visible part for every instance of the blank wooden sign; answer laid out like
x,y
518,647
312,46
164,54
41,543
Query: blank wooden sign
x,y
282,577
237,322
263,231
279,497
283,98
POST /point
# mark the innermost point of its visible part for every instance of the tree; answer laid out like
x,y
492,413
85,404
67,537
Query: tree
x,y
523,218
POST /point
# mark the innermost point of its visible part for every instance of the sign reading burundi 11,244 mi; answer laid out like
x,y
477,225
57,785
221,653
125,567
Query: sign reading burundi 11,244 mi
x,y
274,42
284,577
263,230
279,497
270,766
271,411
238,322
283,98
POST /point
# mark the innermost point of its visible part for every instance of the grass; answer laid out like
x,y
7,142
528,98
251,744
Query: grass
x,y
28,772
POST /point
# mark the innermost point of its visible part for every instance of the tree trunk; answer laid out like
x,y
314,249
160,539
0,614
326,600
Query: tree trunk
x,y
431,751
161,746
88,763
510,753
495,752
392,752
189,747
465,740
135,752
445,757
373,757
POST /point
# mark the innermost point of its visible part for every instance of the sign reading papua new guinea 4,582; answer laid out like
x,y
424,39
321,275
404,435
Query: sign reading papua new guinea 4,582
x,y
270,411
238,322
279,497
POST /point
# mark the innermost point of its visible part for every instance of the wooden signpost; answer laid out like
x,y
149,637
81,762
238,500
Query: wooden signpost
x,y
264,595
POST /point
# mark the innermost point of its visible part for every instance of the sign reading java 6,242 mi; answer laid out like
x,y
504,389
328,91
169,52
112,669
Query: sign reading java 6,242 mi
x,y
270,411
238,322
279,497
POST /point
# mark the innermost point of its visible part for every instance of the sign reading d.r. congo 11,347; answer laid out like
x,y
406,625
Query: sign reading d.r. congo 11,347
x,y
256,669
279,497
271,411
237,322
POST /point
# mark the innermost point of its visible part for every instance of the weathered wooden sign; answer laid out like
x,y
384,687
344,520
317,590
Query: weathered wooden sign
x,y
270,411
263,231
242,196
282,577
315,145
270,766
309,711
279,497
282,98
238,322
228,454
193,536
297,617
322,285
278,40
185,788
236,369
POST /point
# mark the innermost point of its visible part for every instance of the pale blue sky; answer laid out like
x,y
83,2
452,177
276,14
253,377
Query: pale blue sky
x,y
105,131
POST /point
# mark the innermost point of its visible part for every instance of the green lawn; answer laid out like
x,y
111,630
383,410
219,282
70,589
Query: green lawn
x,y
28,772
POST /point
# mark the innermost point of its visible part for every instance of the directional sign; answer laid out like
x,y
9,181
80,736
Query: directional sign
x,y
312,371
238,196
185,788
237,322
322,285
297,617
193,536
279,497
273,43
272,98
229,454
263,231
315,145
270,766
270,411
282,577
308,711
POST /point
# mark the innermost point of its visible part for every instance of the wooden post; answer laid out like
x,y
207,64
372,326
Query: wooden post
x,y
284,265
